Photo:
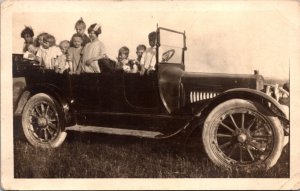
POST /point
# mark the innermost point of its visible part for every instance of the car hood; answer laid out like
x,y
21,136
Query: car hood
x,y
178,88
218,82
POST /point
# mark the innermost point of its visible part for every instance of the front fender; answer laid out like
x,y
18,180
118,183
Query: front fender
x,y
50,90
249,94
202,112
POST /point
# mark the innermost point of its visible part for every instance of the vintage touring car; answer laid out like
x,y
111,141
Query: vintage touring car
x,y
242,122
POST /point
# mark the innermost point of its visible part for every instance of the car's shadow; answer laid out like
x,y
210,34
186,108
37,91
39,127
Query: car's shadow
x,y
173,145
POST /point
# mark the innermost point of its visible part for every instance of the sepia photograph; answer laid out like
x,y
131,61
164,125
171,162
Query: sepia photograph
x,y
150,94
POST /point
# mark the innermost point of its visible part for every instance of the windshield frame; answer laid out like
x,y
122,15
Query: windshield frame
x,y
158,44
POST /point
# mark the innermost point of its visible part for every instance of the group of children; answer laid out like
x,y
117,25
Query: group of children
x,y
80,54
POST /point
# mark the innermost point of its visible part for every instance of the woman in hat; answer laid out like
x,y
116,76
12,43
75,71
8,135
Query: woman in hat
x,y
92,51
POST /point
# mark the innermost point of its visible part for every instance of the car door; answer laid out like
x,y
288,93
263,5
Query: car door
x,y
141,91
96,95
85,91
111,88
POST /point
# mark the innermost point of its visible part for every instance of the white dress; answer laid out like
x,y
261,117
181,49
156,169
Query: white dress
x,y
47,55
90,50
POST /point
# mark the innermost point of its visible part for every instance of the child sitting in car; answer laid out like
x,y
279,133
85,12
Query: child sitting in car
x,y
80,27
50,52
30,54
74,53
63,61
124,63
140,49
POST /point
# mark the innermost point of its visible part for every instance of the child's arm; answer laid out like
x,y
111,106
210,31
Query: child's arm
x,y
27,55
38,56
54,64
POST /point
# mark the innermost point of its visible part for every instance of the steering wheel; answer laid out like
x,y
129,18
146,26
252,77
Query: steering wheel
x,y
166,56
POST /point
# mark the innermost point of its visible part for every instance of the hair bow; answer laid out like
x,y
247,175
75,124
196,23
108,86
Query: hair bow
x,y
97,26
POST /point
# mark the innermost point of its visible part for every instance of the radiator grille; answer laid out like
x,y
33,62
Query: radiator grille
x,y
196,96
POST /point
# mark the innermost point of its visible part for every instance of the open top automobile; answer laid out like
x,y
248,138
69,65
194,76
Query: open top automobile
x,y
243,123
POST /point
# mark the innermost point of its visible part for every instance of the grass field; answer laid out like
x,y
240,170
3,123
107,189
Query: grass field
x,y
86,155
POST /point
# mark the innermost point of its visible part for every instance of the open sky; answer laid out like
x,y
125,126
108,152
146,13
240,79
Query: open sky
x,y
227,37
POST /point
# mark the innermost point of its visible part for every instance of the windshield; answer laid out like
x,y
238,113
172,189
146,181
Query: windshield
x,y
172,46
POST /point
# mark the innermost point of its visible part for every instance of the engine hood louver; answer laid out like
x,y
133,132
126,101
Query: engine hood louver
x,y
196,96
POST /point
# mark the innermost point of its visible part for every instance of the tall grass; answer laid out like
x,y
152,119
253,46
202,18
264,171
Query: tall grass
x,y
85,155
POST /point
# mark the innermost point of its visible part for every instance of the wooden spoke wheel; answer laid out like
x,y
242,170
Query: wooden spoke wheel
x,y
239,134
42,123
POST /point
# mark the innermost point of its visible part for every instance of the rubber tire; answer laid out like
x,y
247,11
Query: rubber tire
x,y
207,135
62,134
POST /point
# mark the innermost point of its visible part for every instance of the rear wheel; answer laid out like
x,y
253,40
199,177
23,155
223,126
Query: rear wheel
x,y
42,122
239,134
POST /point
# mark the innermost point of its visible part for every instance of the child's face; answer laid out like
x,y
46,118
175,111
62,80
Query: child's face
x,y
122,56
93,36
28,38
152,41
77,41
41,40
45,44
64,47
32,49
80,29
140,52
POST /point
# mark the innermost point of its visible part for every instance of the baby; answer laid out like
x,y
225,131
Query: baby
x,y
63,61
30,54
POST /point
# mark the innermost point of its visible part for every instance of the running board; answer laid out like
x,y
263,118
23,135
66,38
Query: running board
x,y
115,131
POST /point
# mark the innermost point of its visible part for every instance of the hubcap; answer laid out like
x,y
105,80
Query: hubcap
x,y
42,121
242,138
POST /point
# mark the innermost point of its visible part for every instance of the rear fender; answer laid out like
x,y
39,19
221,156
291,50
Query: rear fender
x,y
22,101
53,92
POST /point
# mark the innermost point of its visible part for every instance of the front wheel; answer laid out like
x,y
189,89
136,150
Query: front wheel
x,y
42,122
240,134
